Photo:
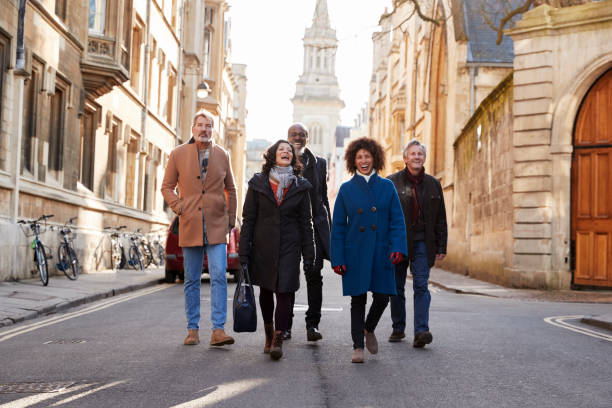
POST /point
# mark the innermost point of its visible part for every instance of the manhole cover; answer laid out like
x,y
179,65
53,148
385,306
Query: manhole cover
x,y
34,387
66,341
30,296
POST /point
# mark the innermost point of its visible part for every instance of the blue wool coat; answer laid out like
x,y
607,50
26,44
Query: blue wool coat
x,y
368,225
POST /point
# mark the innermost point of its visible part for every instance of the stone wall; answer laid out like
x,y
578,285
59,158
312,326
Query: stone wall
x,y
480,214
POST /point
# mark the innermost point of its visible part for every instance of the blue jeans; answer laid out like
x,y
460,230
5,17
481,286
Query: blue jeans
x,y
419,269
193,257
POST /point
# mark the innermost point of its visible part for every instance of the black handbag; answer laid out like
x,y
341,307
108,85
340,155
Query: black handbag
x,y
245,311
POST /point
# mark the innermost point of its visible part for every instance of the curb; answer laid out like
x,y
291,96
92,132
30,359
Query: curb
x,y
60,307
460,291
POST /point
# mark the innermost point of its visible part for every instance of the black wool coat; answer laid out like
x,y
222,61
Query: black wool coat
x,y
434,212
273,237
315,171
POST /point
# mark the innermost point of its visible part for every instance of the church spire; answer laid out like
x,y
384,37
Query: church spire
x,y
321,16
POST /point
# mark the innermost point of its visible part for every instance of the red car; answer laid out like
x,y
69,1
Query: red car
x,y
174,254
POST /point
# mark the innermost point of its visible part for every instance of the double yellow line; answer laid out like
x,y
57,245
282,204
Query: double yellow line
x,y
9,334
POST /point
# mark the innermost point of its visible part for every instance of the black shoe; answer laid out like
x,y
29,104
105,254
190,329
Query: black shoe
x,y
396,336
421,339
286,334
312,334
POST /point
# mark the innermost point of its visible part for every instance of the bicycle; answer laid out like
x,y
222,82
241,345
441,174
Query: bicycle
x,y
145,249
66,255
117,253
135,258
40,256
158,251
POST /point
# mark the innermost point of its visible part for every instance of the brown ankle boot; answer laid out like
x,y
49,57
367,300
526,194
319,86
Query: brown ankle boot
x,y
276,351
192,337
269,329
219,338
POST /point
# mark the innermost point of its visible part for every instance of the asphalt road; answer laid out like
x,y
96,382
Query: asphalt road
x,y
487,352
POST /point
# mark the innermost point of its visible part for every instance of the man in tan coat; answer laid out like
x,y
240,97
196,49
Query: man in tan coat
x,y
203,173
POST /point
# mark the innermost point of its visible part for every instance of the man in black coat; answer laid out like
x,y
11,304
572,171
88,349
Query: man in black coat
x,y
425,217
315,171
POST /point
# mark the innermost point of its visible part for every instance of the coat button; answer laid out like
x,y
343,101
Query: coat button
x,y
360,210
373,209
198,176
373,227
203,191
199,208
361,229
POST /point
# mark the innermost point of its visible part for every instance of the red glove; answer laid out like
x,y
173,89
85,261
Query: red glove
x,y
340,269
396,257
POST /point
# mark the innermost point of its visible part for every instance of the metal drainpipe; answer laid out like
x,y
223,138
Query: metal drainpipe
x,y
19,71
473,70
179,77
145,111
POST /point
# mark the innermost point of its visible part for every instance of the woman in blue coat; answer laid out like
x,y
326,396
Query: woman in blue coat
x,y
368,236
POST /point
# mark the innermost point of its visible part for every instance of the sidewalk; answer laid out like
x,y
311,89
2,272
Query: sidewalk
x,y
462,284
28,299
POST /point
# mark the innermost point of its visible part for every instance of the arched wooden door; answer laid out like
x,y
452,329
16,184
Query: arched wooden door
x,y
592,187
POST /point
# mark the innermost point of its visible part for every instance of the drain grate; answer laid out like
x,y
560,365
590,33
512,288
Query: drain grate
x,y
65,341
34,387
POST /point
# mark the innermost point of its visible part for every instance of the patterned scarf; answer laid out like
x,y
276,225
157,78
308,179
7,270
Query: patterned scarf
x,y
416,204
284,176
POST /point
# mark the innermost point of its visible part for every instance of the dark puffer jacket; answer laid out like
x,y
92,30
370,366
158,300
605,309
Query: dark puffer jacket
x,y
273,238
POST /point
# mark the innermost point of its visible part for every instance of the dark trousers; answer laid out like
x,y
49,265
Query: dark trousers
x,y
419,269
398,302
314,288
358,307
280,315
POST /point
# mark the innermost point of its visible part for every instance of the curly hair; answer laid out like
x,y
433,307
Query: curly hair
x,y
270,159
371,146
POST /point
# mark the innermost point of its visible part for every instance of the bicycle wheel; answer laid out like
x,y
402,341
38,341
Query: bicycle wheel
x,y
161,254
69,261
116,256
41,263
135,258
146,255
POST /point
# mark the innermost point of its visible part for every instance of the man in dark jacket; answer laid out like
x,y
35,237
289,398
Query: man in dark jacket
x,y
425,216
315,171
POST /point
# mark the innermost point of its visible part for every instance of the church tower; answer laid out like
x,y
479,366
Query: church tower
x,y
317,101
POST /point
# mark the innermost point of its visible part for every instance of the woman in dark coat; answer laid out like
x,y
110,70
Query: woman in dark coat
x,y
276,232
368,236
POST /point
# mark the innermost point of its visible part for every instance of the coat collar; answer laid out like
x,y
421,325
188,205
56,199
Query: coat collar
x,y
260,182
310,158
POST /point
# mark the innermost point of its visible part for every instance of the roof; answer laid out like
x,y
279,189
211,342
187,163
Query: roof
x,y
481,38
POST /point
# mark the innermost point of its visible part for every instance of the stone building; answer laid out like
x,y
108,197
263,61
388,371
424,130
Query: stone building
x,y
520,143
317,101
106,90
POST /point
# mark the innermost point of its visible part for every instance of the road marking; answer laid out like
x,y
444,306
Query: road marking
x,y
560,321
9,334
38,398
302,308
223,392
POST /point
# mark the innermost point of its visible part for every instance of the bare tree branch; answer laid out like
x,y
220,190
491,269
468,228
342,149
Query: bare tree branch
x,y
508,17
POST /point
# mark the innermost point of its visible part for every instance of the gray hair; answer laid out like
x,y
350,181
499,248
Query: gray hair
x,y
203,113
415,142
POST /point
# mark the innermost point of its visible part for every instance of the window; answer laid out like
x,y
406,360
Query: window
x,y
57,111
87,148
135,58
152,68
160,82
112,163
127,28
173,20
171,95
206,60
31,93
60,8
5,48
97,16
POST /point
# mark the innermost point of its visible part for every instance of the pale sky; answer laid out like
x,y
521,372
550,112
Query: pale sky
x,y
267,37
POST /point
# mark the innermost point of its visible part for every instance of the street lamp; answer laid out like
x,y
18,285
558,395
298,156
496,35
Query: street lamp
x,y
202,90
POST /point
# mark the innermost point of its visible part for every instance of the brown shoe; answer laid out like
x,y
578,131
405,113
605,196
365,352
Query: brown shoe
x,y
276,351
357,356
269,330
371,342
396,336
219,338
192,337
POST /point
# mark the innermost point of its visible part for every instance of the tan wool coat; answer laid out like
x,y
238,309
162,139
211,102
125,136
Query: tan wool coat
x,y
195,197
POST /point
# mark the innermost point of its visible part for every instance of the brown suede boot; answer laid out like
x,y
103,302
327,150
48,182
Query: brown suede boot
x,y
219,338
371,342
276,351
269,329
192,337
